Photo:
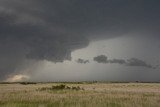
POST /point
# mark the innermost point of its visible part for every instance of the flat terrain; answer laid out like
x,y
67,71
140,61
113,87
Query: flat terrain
x,y
80,95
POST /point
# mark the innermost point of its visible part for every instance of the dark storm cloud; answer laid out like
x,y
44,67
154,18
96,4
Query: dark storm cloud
x,y
82,61
118,61
101,59
104,59
138,62
52,29
130,62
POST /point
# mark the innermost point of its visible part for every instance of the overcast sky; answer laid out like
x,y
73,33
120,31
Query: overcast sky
x,y
79,40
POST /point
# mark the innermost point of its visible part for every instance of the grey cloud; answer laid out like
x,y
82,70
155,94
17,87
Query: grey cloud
x,y
82,61
138,62
101,59
51,30
118,61
104,59
130,62
28,35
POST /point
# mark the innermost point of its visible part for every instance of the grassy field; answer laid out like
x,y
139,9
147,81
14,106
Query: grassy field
x,y
80,95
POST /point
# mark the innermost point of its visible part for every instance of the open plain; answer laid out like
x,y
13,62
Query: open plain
x,y
80,95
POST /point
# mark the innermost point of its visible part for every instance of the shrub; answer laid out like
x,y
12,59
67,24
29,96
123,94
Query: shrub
x,y
60,87
27,83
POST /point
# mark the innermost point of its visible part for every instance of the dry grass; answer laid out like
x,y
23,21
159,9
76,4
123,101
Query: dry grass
x,y
93,95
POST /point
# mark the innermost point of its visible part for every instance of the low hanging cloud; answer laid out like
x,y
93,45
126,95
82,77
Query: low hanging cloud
x,y
104,59
82,61
117,61
138,62
130,62
101,59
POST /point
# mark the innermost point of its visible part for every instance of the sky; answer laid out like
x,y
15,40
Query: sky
x,y
79,40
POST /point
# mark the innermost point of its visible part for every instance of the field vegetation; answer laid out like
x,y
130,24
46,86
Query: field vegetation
x,y
80,94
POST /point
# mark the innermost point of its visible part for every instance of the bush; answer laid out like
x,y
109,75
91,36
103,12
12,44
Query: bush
x,y
27,83
60,87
